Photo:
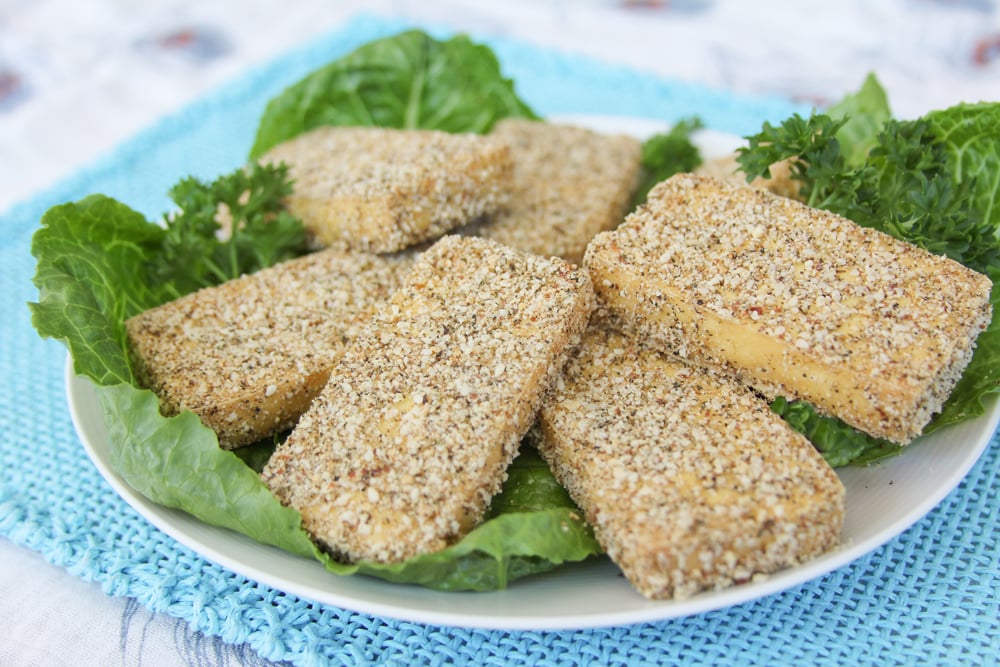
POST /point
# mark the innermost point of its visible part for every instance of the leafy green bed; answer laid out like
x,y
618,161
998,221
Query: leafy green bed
x,y
100,262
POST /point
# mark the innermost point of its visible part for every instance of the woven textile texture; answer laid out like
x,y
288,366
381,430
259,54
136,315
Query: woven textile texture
x,y
939,606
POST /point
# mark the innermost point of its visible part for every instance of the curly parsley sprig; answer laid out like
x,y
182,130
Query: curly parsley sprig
x,y
905,188
199,250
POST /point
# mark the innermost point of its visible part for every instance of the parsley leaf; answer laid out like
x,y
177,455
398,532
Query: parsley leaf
x,y
907,186
198,251
812,146
666,154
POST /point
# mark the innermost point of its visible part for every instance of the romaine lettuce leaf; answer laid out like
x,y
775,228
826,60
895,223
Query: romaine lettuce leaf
x,y
839,443
410,80
864,112
91,258
177,462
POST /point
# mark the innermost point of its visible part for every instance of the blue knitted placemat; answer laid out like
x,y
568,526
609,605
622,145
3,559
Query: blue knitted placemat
x,y
930,596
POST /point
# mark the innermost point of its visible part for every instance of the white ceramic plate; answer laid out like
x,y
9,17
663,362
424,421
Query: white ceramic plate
x,y
882,501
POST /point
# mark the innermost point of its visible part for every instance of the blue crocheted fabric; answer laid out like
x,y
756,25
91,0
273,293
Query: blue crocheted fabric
x,y
929,596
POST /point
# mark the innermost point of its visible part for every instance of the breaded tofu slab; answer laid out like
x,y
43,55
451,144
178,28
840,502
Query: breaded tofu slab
x,y
569,184
403,450
689,480
796,301
726,168
382,189
248,356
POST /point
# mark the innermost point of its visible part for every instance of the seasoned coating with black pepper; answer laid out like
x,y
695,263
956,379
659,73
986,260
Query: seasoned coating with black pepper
x,y
689,480
404,448
249,355
569,184
383,189
795,301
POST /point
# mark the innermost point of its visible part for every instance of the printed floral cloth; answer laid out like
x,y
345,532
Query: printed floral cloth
x,y
77,78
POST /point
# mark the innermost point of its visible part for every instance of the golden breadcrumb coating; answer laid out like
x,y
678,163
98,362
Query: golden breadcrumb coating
x,y
248,356
382,189
690,481
569,184
796,301
411,438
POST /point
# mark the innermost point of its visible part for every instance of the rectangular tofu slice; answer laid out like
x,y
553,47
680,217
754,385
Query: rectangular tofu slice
x,y
382,189
689,480
796,301
249,355
411,438
569,184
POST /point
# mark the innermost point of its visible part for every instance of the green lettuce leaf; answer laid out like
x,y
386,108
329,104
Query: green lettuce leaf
x,y
970,134
865,112
177,462
505,548
91,258
839,443
410,80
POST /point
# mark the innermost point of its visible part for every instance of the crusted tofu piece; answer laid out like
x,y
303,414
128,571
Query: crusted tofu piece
x,y
249,355
796,301
402,451
569,184
727,169
382,189
689,480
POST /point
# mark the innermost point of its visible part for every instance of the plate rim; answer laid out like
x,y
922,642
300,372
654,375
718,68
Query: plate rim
x,y
78,388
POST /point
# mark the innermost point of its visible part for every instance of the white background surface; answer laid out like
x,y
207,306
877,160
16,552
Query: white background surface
x,y
76,78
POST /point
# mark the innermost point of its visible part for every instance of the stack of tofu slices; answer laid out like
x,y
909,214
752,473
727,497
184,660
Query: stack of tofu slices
x,y
468,291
